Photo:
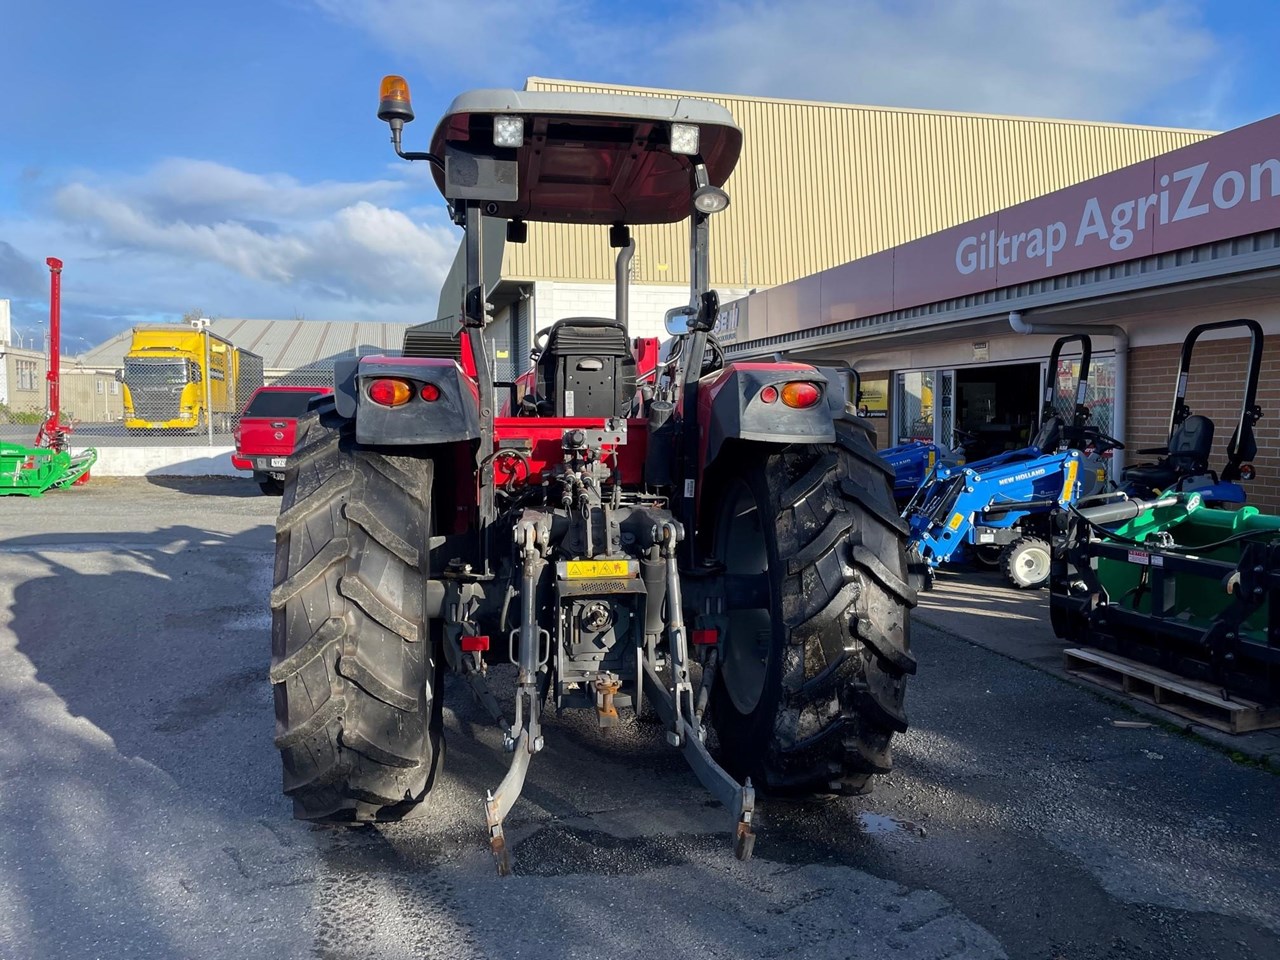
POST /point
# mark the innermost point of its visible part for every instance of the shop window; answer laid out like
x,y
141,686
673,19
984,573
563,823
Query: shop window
x,y
27,378
914,406
1100,398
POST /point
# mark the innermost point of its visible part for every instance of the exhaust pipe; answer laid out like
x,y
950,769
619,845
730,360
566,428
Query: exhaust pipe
x,y
622,283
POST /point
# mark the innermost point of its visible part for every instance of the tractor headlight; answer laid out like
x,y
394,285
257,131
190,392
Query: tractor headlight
x,y
508,131
709,199
684,138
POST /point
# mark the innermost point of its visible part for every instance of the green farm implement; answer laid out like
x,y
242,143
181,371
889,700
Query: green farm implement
x,y
50,464
30,471
1192,590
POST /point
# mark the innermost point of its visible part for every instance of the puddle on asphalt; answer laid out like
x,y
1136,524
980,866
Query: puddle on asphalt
x,y
878,824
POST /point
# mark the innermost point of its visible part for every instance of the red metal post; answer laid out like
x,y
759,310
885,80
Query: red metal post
x,y
55,337
52,432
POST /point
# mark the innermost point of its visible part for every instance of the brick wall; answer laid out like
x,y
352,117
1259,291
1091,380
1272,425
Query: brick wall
x,y
1216,381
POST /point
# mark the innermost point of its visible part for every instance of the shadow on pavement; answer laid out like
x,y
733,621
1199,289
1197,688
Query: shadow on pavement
x,y
140,798
242,486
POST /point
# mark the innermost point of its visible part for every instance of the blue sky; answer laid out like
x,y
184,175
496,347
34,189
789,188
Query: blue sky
x,y
226,155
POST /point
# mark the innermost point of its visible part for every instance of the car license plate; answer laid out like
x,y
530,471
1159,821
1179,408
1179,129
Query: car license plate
x,y
279,461
592,569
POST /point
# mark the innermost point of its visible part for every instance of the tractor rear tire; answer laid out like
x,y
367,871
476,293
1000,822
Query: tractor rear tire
x,y
1025,563
810,689
354,666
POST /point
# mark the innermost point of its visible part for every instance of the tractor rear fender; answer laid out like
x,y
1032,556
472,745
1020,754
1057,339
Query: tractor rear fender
x,y
448,412
731,407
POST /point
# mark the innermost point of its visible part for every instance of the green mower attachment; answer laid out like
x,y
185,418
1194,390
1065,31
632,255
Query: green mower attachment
x,y
30,471
1176,584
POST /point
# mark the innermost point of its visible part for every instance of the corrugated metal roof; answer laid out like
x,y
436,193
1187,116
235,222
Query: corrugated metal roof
x,y
284,345
820,184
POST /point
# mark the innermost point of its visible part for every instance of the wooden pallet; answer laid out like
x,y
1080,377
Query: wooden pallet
x,y
1193,699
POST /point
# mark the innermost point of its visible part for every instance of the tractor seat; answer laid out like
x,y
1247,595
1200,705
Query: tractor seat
x,y
587,369
1189,447
1048,436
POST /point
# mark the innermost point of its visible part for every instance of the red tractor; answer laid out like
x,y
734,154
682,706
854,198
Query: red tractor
x,y
716,542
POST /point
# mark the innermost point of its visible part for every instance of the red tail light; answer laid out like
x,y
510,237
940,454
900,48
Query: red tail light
x,y
801,394
430,392
769,395
389,392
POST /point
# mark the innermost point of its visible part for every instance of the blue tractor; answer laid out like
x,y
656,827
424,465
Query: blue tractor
x,y
997,510
1183,466
913,462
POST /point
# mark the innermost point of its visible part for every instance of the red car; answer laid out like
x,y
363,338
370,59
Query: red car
x,y
265,435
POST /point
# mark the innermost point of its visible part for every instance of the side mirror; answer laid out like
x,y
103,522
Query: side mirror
x,y
676,320
119,376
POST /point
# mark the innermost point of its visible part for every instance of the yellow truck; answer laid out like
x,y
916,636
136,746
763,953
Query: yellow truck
x,y
184,378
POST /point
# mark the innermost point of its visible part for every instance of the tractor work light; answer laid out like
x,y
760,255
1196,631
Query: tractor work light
x,y
393,100
508,131
430,392
710,199
684,139
801,394
390,392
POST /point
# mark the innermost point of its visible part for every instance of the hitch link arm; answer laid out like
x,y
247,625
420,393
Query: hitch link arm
x,y
684,722
524,739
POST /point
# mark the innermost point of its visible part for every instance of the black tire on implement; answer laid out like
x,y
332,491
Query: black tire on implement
x,y
354,668
833,648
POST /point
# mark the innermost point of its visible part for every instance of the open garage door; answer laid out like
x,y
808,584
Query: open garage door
x,y
998,405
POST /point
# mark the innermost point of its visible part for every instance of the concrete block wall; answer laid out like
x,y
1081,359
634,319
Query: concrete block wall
x,y
193,461
1214,391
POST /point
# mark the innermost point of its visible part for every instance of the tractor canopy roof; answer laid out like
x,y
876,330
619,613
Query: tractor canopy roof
x,y
585,157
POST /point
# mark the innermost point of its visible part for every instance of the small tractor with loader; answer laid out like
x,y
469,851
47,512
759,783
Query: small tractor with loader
x,y
997,510
715,542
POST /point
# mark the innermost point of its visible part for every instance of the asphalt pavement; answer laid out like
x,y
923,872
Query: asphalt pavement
x,y
141,813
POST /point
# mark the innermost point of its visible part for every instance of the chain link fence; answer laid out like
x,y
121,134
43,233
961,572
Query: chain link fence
x,y
143,402
1099,398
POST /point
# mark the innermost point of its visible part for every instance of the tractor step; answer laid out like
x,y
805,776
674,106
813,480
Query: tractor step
x,y
1191,699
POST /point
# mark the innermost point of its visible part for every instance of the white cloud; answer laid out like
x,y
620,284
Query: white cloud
x,y
179,184
189,233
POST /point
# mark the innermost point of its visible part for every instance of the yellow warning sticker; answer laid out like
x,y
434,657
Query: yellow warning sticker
x,y
592,569
1069,481
955,521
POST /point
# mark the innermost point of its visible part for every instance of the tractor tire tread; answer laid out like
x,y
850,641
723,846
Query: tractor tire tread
x,y
845,601
357,726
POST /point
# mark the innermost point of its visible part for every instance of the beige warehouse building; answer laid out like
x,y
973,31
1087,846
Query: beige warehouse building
x,y
819,184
